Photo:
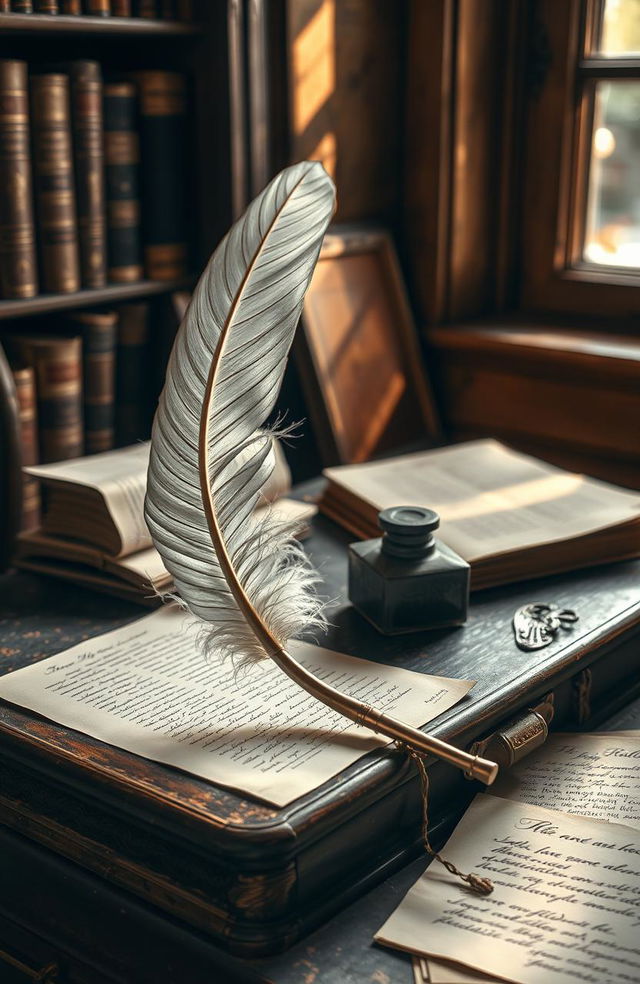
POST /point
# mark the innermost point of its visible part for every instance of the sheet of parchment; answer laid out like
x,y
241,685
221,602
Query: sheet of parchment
x,y
590,775
148,688
594,775
565,906
437,972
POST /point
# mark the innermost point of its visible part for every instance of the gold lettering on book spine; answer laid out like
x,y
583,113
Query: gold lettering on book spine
x,y
54,183
18,271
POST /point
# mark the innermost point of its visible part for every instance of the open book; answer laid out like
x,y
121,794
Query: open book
x,y
93,530
509,515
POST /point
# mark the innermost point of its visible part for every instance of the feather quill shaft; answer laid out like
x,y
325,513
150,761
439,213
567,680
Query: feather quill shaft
x,y
247,578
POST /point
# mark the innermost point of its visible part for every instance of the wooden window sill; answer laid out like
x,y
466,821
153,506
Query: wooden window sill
x,y
569,396
544,344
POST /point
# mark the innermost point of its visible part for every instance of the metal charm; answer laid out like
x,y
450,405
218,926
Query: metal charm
x,y
536,625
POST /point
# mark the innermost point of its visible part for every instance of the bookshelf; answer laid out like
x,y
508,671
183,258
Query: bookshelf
x,y
91,297
38,24
198,50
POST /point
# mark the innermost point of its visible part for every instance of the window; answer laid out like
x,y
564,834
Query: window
x,y
581,224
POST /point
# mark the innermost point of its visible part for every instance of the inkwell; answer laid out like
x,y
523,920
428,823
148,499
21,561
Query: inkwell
x,y
408,580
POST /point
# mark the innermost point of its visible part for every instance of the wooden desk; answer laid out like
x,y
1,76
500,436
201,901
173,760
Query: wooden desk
x,y
52,909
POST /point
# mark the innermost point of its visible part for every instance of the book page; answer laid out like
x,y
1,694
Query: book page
x,y
565,905
490,500
591,775
120,477
148,688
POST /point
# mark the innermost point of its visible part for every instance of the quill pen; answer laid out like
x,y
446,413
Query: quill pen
x,y
245,576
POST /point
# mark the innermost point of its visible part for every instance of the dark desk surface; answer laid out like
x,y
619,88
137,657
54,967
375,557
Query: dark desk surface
x,y
40,616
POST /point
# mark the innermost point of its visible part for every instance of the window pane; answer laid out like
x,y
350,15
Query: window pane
x,y
613,207
620,28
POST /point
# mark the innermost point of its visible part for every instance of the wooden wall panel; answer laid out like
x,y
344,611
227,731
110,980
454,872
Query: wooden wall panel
x,y
476,156
462,104
427,190
346,78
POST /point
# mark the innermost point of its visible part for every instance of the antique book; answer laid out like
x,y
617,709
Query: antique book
x,y
18,270
25,382
121,8
57,362
145,8
71,7
162,138
98,8
46,6
86,112
54,183
133,396
122,161
22,6
93,530
99,334
509,515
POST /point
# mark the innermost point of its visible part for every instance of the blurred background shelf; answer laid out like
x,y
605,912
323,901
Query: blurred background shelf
x,y
38,24
112,294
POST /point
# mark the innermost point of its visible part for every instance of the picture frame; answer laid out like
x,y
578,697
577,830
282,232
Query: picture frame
x,y
358,353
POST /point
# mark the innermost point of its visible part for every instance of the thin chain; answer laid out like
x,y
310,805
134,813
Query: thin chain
x,y
483,886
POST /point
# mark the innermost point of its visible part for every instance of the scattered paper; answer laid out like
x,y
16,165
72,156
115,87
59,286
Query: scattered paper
x,y
148,688
589,775
565,906
437,972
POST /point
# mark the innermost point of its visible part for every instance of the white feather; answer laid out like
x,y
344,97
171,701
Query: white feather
x,y
229,355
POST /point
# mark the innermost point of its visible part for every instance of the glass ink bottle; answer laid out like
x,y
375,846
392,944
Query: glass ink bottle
x,y
407,580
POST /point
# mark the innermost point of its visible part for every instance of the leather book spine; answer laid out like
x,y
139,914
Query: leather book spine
x,y
57,362
86,107
22,6
122,160
5,7
162,136
121,8
45,6
98,8
54,184
18,267
73,7
133,403
145,8
25,383
99,334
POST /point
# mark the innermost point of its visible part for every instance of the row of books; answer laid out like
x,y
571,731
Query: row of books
x,y
162,9
82,388
92,178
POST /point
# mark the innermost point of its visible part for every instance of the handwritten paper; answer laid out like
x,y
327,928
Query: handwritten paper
x,y
148,688
590,775
565,907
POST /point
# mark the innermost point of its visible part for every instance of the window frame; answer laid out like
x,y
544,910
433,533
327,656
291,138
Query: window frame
x,y
556,174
